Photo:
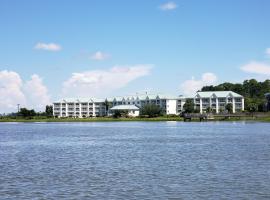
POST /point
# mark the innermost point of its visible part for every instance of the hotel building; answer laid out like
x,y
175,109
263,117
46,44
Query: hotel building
x,y
217,101
92,107
81,107
171,105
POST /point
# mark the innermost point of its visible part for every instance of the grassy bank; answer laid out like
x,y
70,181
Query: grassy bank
x,y
109,119
98,119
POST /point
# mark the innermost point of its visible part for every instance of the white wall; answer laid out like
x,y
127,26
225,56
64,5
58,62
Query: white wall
x,y
133,113
171,106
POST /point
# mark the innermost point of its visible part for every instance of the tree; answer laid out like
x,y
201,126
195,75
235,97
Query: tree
x,y
151,110
229,107
252,107
49,111
189,106
209,110
120,113
24,112
108,105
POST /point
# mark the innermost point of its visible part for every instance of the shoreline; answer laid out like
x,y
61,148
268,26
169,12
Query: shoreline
x,y
157,119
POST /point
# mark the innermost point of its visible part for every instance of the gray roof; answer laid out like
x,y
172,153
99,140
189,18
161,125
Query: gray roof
x,y
120,98
125,107
147,96
218,94
81,99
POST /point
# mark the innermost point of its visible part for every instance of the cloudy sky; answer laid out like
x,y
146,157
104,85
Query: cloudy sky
x,y
52,49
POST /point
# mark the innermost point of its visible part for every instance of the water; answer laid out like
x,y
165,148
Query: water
x,y
135,160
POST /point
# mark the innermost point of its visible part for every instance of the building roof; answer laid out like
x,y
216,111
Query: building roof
x,y
147,96
81,99
219,94
125,107
120,98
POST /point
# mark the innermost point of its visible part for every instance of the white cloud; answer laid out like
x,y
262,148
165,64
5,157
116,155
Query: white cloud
x,y
168,6
48,46
256,68
190,87
267,51
10,91
103,82
13,91
36,93
100,56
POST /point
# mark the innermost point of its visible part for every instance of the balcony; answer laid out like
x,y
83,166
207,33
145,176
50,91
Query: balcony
x,y
221,100
238,100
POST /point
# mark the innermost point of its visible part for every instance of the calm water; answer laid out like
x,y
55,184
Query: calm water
x,y
135,160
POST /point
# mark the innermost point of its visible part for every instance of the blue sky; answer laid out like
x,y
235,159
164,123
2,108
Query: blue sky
x,y
166,46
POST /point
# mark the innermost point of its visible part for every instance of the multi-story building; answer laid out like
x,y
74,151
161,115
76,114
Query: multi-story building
x,y
92,107
82,107
169,104
217,101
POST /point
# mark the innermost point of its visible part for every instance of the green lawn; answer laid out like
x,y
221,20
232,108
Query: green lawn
x,y
109,119
98,119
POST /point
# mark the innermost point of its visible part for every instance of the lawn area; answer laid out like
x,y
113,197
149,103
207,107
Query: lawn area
x,y
97,119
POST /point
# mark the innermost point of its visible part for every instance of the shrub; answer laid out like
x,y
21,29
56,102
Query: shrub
x,y
151,110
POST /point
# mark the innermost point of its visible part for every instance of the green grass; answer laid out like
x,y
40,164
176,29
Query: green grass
x,y
98,119
109,119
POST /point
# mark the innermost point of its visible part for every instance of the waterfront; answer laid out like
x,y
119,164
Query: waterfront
x,y
135,160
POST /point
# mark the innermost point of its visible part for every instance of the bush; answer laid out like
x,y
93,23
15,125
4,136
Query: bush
x,y
189,106
118,113
151,110
229,108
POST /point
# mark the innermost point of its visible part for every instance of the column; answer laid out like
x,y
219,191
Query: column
x,y
80,110
201,106
87,109
243,104
233,105
66,109
60,109
94,109
217,108
210,103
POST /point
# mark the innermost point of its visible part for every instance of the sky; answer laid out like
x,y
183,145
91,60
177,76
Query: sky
x,y
99,48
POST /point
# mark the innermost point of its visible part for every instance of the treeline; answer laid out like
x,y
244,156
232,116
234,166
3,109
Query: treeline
x,y
30,113
252,90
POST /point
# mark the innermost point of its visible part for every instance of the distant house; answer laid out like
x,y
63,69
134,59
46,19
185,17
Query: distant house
x,y
267,105
217,101
132,110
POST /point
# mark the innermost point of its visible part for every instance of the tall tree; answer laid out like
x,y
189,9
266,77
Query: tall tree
x,y
49,111
189,106
24,112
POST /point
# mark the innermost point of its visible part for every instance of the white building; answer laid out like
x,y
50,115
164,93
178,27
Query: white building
x,y
82,107
132,110
92,107
171,105
217,101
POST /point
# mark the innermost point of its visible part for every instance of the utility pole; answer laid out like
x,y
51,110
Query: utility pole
x,y
18,107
